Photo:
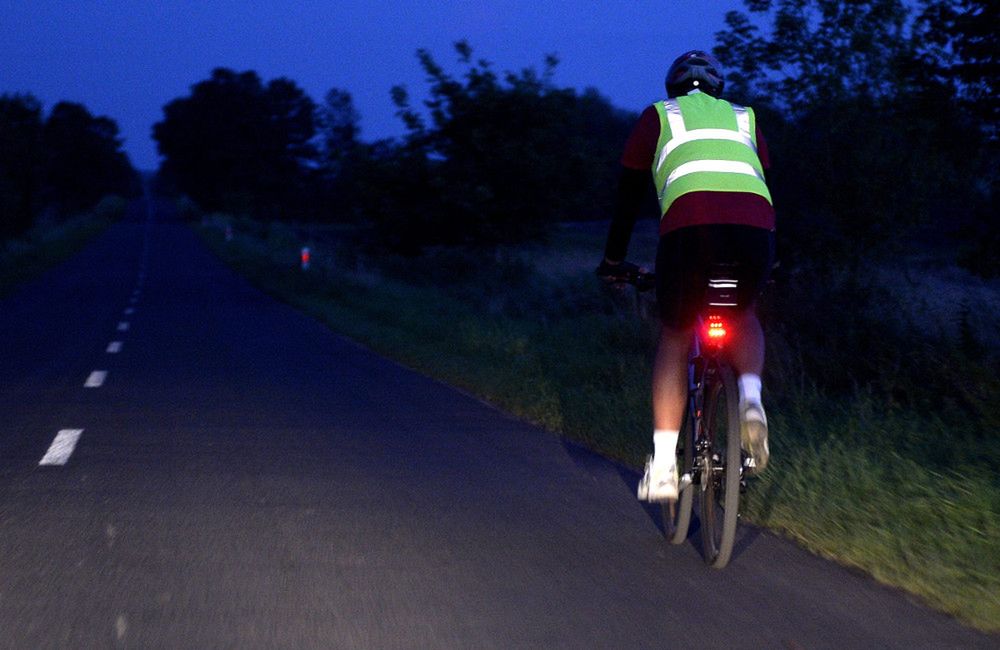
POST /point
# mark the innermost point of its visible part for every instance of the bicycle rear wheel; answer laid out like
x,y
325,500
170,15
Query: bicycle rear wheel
x,y
720,477
677,514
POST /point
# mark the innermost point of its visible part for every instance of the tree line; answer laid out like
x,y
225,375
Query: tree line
x,y
490,157
881,118
56,164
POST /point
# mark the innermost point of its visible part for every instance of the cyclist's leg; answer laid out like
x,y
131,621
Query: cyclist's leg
x,y
747,350
747,357
678,311
679,287
754,250
673,283
670,380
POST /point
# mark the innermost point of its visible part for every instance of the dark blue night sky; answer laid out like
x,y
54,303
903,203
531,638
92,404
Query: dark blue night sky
x,y
127,59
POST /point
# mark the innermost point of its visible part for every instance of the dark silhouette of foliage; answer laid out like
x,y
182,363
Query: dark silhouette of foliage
x,y
21,162
877,155
237,144
342,158
871,145
337,124
84,161
495,158
968,41
502,156
62,164
817,51
964,50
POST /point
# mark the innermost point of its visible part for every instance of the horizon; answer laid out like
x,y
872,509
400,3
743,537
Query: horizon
x,y
56,51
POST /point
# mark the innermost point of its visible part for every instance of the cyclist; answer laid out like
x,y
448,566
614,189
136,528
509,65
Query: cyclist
x,y
707,159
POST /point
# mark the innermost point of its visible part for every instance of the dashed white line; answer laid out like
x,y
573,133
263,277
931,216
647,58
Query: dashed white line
x,y
134,299
123,326
114,347
62,447
96,379
129,311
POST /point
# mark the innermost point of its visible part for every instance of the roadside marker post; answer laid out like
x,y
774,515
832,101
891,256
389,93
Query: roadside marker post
x,y
229,232
305,258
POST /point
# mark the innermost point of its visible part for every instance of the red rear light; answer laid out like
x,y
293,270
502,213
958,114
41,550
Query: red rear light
x,y
716,329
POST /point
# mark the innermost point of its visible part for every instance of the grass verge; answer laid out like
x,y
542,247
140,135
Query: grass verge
x,y
854,479
45,246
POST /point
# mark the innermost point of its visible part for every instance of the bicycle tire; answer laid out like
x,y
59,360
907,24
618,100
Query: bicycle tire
x,y
720,485
677,514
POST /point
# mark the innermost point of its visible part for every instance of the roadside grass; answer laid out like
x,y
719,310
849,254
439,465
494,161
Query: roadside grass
x,y
911,497
44,246
844,489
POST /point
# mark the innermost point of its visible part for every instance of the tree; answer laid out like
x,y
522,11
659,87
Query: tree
x,y
969,52
341,159
65,163
817,51
83,158
508,155
868,141
874,159
337,124
21,162
236,144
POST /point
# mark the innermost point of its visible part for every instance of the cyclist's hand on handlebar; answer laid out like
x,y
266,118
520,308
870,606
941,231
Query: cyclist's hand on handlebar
x,y
618,273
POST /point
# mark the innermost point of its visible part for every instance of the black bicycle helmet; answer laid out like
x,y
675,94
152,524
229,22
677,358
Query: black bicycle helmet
x,y
695,70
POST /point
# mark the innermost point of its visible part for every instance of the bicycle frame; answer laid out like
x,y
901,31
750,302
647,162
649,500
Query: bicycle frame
x,y
710,449
712,455
703,370
705,361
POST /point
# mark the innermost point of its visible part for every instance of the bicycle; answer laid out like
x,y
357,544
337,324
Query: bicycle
x,y
710,457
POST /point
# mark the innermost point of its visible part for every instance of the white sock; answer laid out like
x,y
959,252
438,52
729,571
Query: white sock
x,y
665,445
749,388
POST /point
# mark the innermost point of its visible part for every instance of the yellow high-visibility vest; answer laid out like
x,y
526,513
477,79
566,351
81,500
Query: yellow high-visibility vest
x,y
706,144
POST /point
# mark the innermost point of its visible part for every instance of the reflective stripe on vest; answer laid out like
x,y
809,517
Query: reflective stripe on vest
x,y
723,166
717,174
680,135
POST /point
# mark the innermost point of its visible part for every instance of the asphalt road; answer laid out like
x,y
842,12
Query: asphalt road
x,y
243,478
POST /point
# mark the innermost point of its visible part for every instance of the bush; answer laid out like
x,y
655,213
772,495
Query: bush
x,y
502,158
111,208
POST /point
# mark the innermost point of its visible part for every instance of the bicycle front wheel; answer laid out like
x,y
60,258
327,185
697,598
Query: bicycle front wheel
x,y
677,514
720,476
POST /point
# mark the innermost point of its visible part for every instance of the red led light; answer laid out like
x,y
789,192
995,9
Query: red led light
x,y
716,328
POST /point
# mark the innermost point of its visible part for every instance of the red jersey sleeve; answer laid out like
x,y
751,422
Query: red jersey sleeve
x,y
641,144
765,158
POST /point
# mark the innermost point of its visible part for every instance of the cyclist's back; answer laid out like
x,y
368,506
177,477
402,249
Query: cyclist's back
x,y
707,158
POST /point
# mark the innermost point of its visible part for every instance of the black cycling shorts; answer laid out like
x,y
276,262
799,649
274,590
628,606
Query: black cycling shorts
x,y
683,259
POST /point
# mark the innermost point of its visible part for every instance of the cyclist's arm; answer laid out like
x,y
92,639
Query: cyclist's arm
x,y
632,186
634,181
762,152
